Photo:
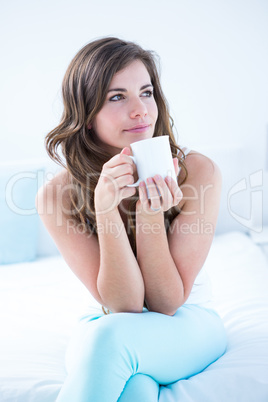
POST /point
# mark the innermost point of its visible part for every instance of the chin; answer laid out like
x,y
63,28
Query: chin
x,y
140,137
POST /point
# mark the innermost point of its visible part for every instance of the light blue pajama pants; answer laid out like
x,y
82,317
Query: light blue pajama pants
x,y
126,357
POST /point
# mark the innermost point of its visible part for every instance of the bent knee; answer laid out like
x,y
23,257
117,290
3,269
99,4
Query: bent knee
x,y
111,329
140,380
140,387
106,338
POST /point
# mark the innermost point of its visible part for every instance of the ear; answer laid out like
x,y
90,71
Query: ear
x,y
89,126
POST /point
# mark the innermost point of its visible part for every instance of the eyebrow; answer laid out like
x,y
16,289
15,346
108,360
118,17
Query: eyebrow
x,y
125,90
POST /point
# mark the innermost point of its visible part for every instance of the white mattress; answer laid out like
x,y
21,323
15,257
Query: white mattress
x,y
41,301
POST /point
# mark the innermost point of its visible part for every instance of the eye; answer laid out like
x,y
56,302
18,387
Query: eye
x,y
116,98
147,94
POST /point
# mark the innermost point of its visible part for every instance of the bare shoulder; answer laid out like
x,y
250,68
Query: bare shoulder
x,y
202,172
53,194
201,168
78,247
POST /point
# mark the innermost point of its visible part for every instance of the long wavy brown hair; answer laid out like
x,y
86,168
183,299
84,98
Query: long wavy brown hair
x,y
84,90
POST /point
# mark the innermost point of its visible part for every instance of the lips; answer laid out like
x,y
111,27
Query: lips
x,y
138,128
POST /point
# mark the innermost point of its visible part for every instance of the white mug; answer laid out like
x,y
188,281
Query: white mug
x,y
152,156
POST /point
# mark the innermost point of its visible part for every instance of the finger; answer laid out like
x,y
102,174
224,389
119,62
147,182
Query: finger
x,y
117,183
127,192
163,189
125,151
121,170
176,166
153,194
123,181
145,201
143,193
174,190
118,159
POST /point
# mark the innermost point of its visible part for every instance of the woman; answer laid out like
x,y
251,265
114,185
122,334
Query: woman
x,y
138,252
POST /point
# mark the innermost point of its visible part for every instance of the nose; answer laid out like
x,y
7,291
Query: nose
x,y
138,108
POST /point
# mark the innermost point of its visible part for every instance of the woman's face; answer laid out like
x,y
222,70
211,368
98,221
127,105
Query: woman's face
x,y
129,112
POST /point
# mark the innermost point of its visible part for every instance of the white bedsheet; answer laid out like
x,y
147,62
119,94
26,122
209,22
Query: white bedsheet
x,y
41,301
40,304
239,274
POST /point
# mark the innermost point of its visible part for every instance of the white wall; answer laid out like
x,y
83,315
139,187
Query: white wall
x,y
214,67
214,64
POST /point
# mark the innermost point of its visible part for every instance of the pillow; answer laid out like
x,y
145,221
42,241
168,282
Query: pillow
x,y
18,217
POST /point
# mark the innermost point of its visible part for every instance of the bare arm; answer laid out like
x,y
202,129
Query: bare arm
x,y
163,284
170,264
120,282
107,265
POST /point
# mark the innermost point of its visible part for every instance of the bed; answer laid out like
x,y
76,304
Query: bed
x,y
42,300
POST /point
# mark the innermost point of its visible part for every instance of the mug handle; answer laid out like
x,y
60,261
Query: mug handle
x,y
139,180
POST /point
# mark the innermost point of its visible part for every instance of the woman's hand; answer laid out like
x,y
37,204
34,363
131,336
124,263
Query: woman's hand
x,y
162,195
115,175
